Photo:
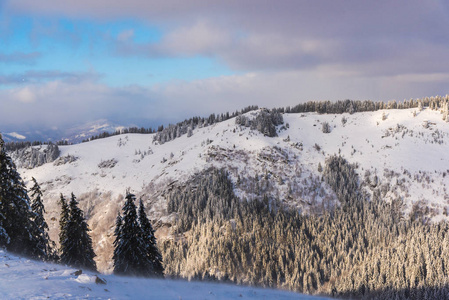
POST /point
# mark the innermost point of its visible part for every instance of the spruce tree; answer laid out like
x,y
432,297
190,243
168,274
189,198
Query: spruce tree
x,y
153,254
63,220
118,236
130,254
45,245
18,232
77,246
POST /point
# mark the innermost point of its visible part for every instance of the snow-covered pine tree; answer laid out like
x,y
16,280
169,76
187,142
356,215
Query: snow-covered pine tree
x,y
153,254
18,231
45,245
77,248
130,251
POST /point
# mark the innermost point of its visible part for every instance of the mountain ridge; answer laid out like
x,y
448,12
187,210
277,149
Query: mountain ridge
x,y
388,145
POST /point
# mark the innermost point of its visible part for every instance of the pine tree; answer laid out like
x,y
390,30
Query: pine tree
x,y
118,262
153,254
63,220
130,251
45,245
18,232
77,245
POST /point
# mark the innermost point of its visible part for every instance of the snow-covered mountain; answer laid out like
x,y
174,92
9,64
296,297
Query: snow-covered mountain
x,y
21,278
400,153
74,134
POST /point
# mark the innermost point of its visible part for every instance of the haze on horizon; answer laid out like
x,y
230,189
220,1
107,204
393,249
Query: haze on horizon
x,y
63,63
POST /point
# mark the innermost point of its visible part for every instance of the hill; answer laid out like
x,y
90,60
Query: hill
x,y
398,156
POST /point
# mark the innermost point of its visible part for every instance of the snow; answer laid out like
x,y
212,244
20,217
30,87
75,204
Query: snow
x,y
16,135
400,144
22,278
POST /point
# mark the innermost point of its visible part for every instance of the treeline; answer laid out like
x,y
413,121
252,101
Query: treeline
x,y
14,146
353,106
187,126
267,120
106,134
172,131
365,248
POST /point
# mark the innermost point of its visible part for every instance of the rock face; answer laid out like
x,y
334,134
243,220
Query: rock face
x,y
35,156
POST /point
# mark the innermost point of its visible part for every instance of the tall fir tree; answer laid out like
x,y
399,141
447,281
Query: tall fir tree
x,y
148,237
63,220
130,251
77,247
18,232
45,245
118,236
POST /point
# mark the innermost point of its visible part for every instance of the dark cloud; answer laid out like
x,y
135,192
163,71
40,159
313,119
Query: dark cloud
x,y
19,58
257,35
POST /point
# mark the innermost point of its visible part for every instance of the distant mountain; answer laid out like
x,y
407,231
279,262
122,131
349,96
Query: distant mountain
x,y
73,134
82,132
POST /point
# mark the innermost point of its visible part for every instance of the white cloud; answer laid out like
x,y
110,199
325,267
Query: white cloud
x,y
25,95
62,104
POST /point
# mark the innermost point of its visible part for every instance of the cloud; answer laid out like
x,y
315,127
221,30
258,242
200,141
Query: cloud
x,y
36,77
19,58
377,38
284,52
66,104
25,95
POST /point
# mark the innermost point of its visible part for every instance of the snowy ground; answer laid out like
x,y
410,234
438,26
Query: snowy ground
x,y
26,279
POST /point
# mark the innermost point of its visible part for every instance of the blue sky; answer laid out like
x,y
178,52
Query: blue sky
x,y
87,46
142,62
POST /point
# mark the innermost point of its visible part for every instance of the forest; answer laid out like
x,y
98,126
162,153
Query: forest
x,y
363,248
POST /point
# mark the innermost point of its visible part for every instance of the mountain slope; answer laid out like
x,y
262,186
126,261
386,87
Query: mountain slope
x,y
400,155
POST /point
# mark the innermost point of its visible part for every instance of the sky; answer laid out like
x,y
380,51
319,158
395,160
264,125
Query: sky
x,y
145,62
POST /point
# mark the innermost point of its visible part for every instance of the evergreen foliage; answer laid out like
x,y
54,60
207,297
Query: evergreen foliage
x,y
265,122
149,239
63,220
130,254
116,257
18,231
187,126
46,245
76,247
172,131
210,197
364,248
